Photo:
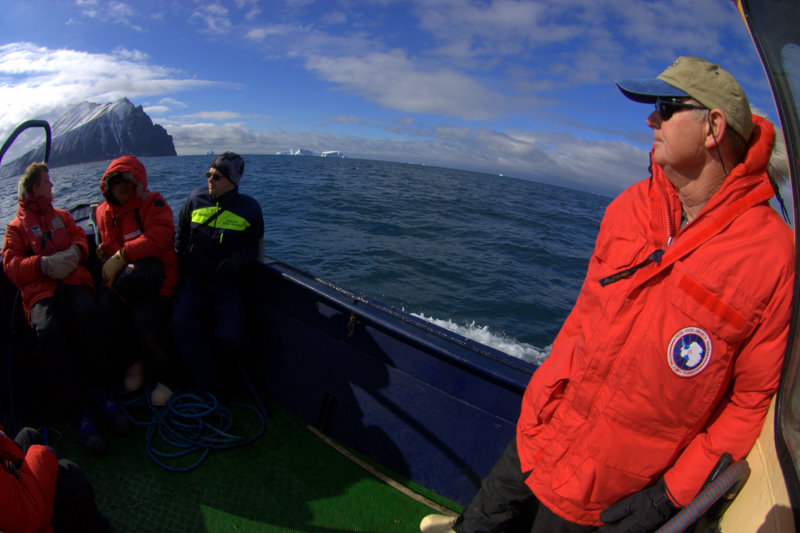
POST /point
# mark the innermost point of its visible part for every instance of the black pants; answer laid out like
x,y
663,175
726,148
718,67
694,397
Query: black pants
x,y
505,503
208,325
70,347
74,507
138,329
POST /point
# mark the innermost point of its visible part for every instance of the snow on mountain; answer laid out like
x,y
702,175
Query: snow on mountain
x,y
95,132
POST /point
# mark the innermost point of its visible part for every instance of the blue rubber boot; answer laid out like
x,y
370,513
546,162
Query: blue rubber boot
x,y
89,436
111,411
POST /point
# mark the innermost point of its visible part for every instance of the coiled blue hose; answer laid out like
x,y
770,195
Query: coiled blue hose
x,y
192,422
707,497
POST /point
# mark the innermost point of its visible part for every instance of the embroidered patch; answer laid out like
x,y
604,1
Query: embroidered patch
x,y
689,352
58,223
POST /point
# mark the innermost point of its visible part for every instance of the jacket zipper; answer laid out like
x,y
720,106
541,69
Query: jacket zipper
x,y
215,222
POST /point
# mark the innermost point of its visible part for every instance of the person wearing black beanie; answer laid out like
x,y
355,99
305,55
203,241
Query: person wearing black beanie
x,y
218,237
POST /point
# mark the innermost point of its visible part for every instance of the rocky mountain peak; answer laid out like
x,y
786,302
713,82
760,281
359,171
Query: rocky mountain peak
x,y
96,132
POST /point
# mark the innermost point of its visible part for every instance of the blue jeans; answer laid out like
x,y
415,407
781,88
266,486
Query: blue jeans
x,y
208,324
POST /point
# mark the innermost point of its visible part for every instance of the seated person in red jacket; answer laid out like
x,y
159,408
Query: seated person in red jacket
x,y
40,493
673,350
140,269
43,254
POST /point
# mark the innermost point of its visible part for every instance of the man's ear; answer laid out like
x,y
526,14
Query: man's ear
x,y
716,126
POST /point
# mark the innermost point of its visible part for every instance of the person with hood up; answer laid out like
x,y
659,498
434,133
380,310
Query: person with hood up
x,y
219,235
43,255
672,353
140,271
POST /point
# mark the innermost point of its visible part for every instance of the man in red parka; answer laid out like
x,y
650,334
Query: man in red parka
x,y
43,256
672,353
137,233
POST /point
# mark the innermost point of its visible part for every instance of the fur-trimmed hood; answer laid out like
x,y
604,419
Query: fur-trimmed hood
x,y
126,163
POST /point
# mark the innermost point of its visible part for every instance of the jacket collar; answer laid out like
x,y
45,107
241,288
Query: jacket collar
x,y
746,186
38,205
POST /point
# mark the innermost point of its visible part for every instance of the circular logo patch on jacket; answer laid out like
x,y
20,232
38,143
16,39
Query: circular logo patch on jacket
x,y
689,352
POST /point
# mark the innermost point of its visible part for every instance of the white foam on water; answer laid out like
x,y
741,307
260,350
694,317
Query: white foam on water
x,y
481,334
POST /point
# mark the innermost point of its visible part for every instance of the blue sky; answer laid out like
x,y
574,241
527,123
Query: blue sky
x,y
522,88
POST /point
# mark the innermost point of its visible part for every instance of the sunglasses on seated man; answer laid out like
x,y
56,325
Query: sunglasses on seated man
x,y
667,107
216,176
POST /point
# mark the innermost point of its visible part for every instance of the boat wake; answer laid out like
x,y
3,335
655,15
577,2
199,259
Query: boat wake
x,y
511,346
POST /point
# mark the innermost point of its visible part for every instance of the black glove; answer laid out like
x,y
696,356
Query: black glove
x,y
231,269
641,512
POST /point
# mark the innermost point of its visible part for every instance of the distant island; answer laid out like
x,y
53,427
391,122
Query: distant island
x,y
303,151
91,132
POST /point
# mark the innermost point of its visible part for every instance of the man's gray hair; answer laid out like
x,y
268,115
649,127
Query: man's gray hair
x,y
778,166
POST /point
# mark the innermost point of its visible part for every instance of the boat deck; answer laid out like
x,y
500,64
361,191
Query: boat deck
x,y
287,480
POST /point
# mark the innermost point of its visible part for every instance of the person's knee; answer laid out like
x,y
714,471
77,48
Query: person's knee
x,y
187,315
27,437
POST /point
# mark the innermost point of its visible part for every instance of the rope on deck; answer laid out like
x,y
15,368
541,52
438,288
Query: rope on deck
x,y
190,423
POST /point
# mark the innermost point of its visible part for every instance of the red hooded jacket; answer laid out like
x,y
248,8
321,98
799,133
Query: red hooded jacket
x,y
26,497
41,230
120,230
661,372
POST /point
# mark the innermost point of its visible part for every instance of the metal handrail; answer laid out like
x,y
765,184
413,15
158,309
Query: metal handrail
x,y
22,127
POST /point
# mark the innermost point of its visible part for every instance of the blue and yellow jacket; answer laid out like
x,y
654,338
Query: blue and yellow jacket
x,y
213,229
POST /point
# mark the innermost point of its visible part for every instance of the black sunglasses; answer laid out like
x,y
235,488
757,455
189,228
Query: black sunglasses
x,y
668,107
216,175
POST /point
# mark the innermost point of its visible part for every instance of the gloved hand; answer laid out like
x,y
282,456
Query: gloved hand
x,y
100,252
112,267
231,268
60,264
73,253
641,512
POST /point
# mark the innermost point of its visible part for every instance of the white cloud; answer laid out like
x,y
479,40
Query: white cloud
x,y
34,80
346,119
172,103
213,19
262,32
212,115
132,55
156,109
396,82
110,12
335,17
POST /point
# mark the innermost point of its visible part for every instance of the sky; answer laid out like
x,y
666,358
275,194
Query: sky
x,y
519,88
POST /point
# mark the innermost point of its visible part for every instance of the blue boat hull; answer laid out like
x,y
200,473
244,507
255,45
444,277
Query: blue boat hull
x,y
430,405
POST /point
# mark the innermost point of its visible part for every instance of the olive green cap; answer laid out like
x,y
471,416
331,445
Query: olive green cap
x,y
696,78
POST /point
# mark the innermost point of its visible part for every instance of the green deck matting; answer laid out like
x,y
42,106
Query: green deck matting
x,y
288,480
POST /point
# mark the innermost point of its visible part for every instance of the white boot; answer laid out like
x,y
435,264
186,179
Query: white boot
x,y
437,523
160,395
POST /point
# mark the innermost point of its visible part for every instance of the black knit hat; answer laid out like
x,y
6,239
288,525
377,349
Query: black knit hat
x,y
231,165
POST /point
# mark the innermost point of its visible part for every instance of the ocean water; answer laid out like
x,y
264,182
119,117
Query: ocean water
x,y
495,258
